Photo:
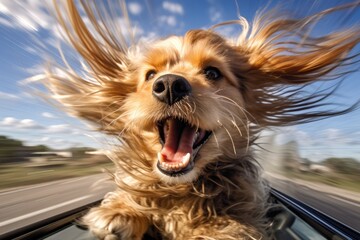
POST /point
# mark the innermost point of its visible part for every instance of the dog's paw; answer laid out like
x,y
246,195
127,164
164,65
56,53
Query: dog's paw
x,y
114,224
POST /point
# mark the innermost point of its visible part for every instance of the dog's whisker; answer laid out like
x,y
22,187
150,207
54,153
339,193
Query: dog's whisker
x,y
180,108
217,183
230,137
194,107
188,106
243,110
230,101
246,126
233,121
235,125
247,129
216,140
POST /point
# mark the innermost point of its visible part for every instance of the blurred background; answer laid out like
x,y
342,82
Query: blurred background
x,y
50,162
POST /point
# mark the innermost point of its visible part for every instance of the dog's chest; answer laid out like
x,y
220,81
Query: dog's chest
x,y
173,225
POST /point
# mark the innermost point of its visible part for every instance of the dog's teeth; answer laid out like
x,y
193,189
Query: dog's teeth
x,y
173,166
186,159
161,158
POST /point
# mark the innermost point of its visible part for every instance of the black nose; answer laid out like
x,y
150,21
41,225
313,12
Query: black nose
x,y
171,88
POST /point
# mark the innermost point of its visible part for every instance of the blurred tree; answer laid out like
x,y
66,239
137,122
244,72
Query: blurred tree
x,y
40,148
80,152
343,165
12,150
8,142
9,149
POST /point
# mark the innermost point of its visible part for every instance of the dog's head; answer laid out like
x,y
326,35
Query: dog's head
x,y
190,100
188,96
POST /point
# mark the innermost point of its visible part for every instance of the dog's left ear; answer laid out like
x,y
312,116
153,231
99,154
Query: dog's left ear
x,y
96,94
284,59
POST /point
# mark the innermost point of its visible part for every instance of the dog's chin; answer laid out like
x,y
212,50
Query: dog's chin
x,y
188,177
181,143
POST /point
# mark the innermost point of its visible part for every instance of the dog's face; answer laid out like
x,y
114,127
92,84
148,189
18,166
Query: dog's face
x,y
188,98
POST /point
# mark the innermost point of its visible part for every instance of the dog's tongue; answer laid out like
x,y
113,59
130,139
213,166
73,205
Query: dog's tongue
x,y
179,139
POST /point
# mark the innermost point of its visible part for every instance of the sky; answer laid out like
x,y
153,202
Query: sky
x,y
27,28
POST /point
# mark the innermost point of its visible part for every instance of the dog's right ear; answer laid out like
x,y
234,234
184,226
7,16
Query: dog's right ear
x,y
99,92
285,60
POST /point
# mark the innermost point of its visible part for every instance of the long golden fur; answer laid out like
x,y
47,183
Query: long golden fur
x,y
263,74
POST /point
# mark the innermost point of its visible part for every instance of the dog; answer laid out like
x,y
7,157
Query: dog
x,y
186,111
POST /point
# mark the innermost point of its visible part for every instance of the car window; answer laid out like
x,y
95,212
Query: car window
x,y
317,163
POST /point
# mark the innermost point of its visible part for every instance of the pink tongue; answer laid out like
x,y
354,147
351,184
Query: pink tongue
x,y
178,142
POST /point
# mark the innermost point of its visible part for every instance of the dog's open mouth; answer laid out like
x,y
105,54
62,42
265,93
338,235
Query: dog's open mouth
x,y
181,142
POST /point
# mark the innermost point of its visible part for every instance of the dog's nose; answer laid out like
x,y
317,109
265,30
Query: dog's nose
x,y
171,88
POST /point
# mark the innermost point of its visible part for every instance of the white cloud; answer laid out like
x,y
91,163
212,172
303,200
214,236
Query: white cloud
x,y
48,115
5,22
59,140
169,20
27,15
122,26
59,128
10,122
53,143
215,15
134,8
8,96
333,136
173,7
31,50
149,37
226,31
28,124
44,139
330,137
32,16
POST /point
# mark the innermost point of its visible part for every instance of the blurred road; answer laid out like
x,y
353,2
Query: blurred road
x,y
341,206
25,205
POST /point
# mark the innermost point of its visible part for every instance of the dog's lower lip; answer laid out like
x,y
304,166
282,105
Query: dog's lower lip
x,y
174,173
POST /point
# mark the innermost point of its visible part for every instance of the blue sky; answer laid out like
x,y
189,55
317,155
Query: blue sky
x,y
28,118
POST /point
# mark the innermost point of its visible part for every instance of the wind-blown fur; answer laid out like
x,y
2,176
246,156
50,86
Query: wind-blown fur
x,y
264,73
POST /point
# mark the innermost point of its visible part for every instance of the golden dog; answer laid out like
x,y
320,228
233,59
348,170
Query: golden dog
x,y
187,109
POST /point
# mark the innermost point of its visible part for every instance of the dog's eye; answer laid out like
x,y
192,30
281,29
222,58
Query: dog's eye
x,y
150,74
212,73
